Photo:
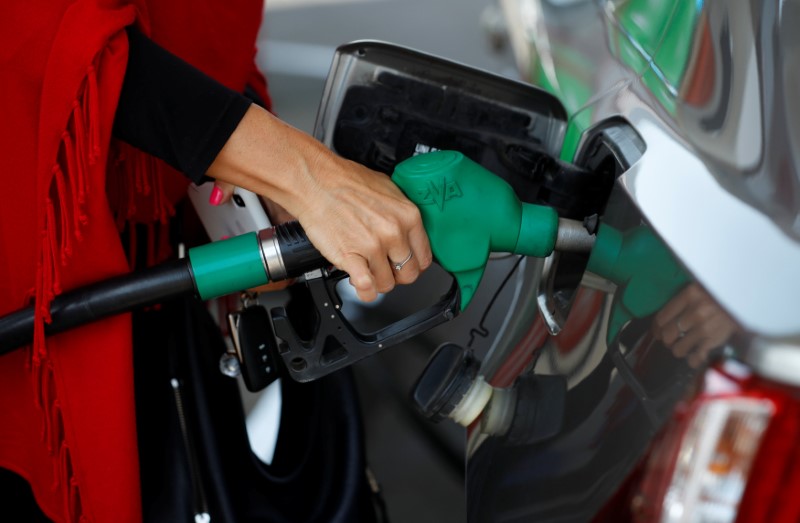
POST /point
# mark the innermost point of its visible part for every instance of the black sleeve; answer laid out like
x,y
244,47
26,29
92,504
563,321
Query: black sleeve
x,y
173,111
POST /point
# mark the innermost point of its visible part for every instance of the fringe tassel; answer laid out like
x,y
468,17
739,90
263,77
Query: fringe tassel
x,y
93,116
74,499
57,434
49,408
64,216
71,492
142,177
139,176
29,300
164,209
151,244
78,199
138,195
164,247
82,153
52,264
133,243
37,371
67,226
63,465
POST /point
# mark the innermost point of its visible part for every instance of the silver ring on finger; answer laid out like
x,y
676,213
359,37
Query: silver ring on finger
x,y
681,330
400,265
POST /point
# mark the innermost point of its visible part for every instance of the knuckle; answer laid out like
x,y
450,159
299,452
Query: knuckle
x,y
694,292
411,214
392,230
371,247
425,262
706,311
387,230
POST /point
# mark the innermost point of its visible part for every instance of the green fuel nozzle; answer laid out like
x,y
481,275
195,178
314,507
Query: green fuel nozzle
x,y
469,212
646,273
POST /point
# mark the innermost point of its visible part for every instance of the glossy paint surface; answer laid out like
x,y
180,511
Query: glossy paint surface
x,y
706,91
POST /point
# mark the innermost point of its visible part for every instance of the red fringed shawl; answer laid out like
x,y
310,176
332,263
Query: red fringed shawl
x,y
66,404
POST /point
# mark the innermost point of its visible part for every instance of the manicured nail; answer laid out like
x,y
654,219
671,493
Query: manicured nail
x,y
216,196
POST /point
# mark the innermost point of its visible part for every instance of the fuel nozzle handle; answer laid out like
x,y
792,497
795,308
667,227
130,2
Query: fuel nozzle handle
x,y
469,212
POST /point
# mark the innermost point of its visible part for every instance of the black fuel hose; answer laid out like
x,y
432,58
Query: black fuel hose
x,y
209,271
100,300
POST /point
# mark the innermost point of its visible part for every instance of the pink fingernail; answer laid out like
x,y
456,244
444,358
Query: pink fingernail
x,y
216,196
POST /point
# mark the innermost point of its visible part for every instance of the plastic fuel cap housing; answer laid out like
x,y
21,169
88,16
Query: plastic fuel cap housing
x,y
445,381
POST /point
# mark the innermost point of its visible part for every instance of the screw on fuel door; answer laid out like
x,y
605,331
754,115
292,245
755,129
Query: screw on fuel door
x,y
531,410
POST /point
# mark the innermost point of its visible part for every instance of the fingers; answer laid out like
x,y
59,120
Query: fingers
x,y
404,267
373,272
392,241
675,307
418,241
391,260
412,254
703,338
221,193
682,314
360,277
691,325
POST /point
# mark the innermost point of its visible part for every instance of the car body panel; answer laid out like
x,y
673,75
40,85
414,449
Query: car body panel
x,y
718,143
688,106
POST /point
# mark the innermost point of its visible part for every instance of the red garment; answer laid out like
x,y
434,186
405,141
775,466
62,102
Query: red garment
x,y
66,403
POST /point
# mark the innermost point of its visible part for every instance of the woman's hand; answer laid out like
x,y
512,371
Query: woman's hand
x,y
692,324
357,218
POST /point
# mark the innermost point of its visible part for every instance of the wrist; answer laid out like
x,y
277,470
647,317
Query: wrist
x,y
270,158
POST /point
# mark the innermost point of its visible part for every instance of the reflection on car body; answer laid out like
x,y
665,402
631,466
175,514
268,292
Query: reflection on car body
x,y
704,87
644,379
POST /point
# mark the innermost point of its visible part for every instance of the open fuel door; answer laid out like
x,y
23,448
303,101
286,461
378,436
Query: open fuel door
x,y
384,103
